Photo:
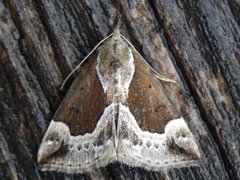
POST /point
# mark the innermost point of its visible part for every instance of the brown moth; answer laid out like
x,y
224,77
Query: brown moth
x,y
115,92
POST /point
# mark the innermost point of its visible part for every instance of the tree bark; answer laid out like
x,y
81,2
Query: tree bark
x,y
194,42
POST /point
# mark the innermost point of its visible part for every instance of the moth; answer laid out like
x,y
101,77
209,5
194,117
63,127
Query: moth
x,y
115,92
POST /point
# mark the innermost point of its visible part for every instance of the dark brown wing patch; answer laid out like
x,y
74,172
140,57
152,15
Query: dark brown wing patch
x,y
84,103
146,100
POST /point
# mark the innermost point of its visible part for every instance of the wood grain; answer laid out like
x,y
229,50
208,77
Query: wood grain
x,y
194,42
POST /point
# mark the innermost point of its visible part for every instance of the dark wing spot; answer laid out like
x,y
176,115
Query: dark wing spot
x,y
156,145
148,144
134,140
70,146
86,146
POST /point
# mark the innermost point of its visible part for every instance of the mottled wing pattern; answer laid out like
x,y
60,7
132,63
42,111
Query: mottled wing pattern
x,y
172,145
60,151
153,151
78,138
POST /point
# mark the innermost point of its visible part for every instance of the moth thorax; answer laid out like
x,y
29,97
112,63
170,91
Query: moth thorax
x,y
115,64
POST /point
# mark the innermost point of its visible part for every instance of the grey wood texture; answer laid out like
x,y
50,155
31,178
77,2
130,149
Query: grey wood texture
x,y
194,42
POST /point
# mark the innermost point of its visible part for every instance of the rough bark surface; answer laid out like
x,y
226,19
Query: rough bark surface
x,y
195,42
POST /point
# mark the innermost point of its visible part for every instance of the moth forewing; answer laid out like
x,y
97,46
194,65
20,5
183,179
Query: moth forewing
x,y
97,122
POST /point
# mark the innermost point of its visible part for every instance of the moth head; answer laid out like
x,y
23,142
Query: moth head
x,y
180,138
53,140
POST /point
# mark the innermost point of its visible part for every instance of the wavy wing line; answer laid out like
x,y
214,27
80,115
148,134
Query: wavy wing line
x,y
59,151
153,151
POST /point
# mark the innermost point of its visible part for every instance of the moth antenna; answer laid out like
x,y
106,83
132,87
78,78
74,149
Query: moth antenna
x,y
64,82
159,76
